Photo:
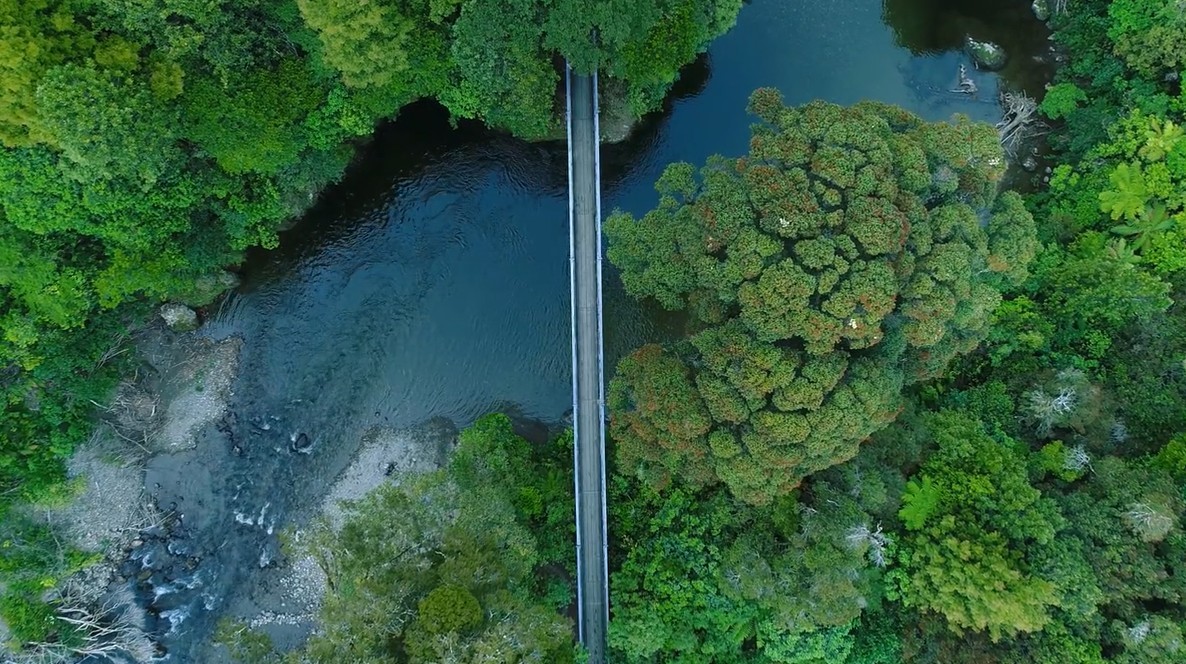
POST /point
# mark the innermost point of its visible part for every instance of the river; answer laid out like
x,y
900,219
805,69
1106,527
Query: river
x,y
432,282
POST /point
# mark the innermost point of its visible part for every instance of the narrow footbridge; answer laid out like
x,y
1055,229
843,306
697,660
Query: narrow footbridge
x,y
588,371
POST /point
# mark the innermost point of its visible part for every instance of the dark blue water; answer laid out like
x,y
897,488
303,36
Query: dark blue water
x,y
433,281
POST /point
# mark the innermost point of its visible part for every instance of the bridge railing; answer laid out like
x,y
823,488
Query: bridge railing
x,y
585,620
600,348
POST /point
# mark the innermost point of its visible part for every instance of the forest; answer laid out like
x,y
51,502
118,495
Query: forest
x,y
915,417
145,145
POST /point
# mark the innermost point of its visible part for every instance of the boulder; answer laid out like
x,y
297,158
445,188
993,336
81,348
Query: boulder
x,y
179,317
208,287
986,55
1041,9
301,443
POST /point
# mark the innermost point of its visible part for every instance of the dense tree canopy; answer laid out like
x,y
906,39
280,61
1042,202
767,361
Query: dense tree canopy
x,y
975,527
852,252
709,579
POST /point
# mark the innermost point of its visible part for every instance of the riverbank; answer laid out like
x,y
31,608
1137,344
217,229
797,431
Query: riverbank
x,y
149,509
284,601
106,517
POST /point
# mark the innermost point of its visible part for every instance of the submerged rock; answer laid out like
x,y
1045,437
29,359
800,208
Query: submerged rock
x,y
301,442
179,317
1041,9
986,55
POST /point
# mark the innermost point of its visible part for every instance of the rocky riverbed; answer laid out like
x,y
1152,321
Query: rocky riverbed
x,y
188,481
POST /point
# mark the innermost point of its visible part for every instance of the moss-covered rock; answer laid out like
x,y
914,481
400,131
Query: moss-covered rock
x,y
1041,9
986,55
179,317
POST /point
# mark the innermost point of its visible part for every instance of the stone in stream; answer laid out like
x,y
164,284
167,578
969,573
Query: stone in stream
x,y
986,55
1041,9
179,317
301,442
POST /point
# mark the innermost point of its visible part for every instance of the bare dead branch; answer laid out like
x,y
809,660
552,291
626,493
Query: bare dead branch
x,y
1020,111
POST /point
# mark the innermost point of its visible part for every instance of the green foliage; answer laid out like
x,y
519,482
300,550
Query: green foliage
x,y
444,563
1150,35
107,125
33,561
1172,459
1124,520
1149,223
1061,100
643,43
35,37
449,609
659,405
366,43
919,502
877,641
702,577
254,124
1129,195
245,644
666,595
494,59
814,647
29,619
1098,292
813,314
504,77
969,554
1056,459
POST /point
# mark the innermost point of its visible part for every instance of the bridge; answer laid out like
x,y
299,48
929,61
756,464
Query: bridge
x,y
588,370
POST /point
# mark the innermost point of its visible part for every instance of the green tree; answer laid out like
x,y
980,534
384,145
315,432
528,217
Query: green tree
x,y
1128,195
255,124
1128,518
1093,291
505,76
366,42
842,259
1148,35
975,525
35,37
667,602
442,566
108,126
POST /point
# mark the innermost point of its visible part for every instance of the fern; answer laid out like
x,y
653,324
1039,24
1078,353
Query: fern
x,y
1129,194
918,502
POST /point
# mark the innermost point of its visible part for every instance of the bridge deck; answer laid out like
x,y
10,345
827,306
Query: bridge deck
x,y
584,219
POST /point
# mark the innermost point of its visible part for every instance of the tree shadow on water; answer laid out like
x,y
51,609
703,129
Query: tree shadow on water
x,y
621,159
933,27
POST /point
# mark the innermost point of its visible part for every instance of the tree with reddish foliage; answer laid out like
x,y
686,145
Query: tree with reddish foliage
x,y
661,409
854,251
